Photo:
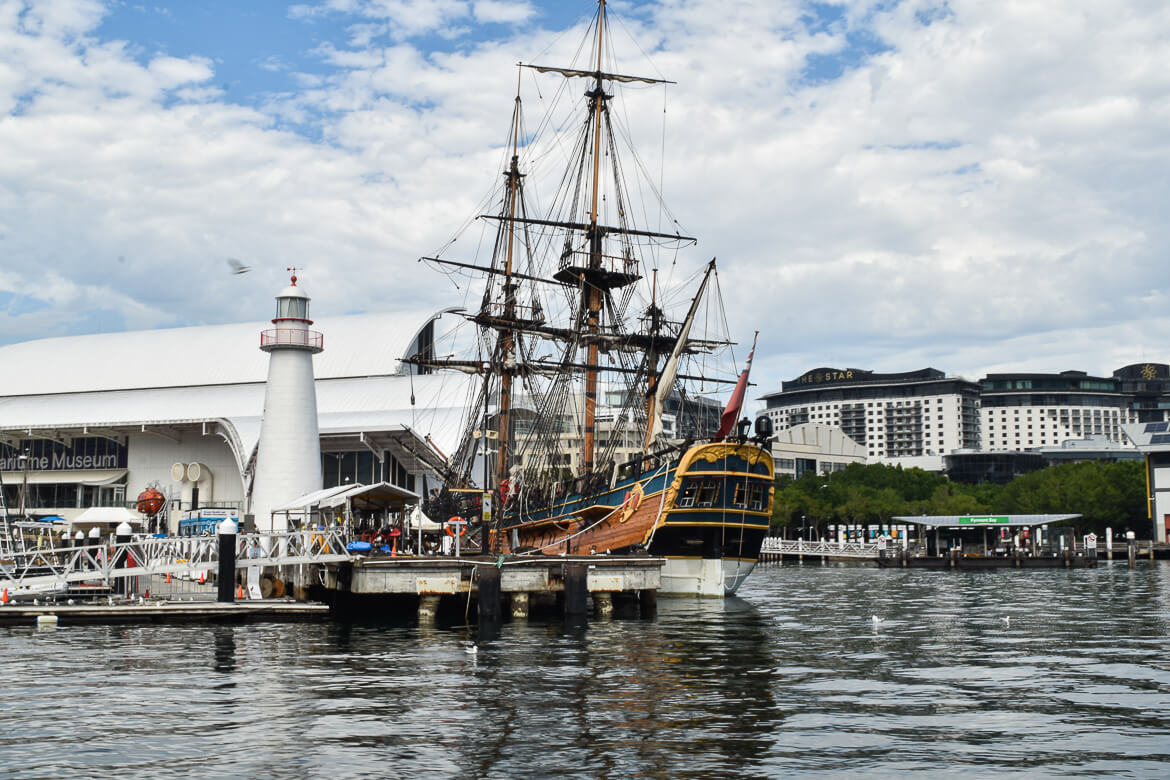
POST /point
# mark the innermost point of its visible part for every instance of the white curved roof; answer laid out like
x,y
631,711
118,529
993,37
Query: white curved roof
x,y
355,345
345,404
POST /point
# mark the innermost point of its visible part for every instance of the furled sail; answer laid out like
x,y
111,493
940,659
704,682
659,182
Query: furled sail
x,y
669,373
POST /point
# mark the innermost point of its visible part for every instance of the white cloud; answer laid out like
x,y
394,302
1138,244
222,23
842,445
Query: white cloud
x,y
983,191
502,11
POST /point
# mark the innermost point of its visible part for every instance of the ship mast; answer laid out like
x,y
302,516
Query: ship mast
x,y
507,339
591,293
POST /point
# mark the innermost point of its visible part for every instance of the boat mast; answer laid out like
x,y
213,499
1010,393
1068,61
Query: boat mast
x,y
654,326
591,293
507,339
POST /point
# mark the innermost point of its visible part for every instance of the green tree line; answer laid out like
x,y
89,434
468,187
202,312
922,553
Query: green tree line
x,y
1106,494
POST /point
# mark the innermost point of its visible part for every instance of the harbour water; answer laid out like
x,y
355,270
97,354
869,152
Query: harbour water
x,y
813,671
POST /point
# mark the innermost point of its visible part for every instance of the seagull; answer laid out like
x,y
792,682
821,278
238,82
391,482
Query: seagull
x,y
877,621
237,266
471,650
1007,621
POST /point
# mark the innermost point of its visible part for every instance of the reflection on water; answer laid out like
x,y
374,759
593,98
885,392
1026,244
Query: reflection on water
x,y
813,670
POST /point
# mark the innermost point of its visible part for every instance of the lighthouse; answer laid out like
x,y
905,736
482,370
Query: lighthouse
x,y
288,457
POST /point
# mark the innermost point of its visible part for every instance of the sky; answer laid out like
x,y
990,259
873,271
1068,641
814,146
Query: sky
x,y
973,186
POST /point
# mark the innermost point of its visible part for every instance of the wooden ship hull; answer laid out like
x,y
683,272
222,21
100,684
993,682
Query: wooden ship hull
x,y
706,512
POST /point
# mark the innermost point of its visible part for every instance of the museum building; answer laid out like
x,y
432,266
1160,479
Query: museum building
x,y
94,420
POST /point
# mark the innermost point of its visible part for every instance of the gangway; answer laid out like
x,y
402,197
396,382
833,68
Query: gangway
x,y
775,548
54,570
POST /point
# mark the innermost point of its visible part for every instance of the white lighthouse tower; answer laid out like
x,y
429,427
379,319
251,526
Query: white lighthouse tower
x,y
288,457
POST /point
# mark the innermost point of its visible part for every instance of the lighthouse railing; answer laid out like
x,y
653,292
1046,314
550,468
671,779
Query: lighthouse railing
x,y
292,337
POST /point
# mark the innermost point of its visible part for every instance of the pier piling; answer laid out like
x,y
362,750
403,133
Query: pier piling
x,y
122,535
489,593
648,597
428,606
576,589
227,561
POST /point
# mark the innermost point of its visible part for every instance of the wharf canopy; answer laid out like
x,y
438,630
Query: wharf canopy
x,y
181,408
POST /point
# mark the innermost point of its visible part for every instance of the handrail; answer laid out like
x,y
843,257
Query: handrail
x,y
777,546
53,569
292,337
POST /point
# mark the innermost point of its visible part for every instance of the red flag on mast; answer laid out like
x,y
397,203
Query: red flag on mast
x,y
731,413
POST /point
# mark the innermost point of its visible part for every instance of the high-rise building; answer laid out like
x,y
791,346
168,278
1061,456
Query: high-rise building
x,y
893,416
1027,411
1148,386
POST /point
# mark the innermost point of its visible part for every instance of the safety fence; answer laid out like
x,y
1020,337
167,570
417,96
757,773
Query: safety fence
x,y
192,560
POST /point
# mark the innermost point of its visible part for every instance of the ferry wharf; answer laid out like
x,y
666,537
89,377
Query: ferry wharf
x,y
972,542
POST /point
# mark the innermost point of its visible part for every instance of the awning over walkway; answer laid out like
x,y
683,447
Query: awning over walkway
x,y
978,521
81,477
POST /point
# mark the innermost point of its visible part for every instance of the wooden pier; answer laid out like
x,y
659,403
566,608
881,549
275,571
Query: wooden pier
x,y
496,584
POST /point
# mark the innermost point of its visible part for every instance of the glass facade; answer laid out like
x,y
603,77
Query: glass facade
x,y
361,467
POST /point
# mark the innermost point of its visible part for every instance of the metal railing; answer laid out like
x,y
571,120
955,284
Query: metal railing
x,y
292,337
191,558
780,547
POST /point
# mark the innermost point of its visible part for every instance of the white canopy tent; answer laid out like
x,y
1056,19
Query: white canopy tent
x,y
105,516
346,502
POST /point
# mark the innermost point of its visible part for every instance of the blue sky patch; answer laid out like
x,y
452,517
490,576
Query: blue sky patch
x,y
18,305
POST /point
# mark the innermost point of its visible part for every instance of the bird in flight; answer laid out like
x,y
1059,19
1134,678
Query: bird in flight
x,y
237,266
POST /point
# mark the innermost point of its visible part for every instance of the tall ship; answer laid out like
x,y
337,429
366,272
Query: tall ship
x,y
595,429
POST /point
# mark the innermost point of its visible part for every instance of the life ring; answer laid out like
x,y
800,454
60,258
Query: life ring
x,y
451,524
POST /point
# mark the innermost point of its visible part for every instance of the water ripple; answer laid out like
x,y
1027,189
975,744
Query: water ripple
x,y
815,671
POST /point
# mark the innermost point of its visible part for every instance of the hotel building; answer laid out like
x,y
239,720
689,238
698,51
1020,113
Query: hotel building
x,y
1027,411
893,417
